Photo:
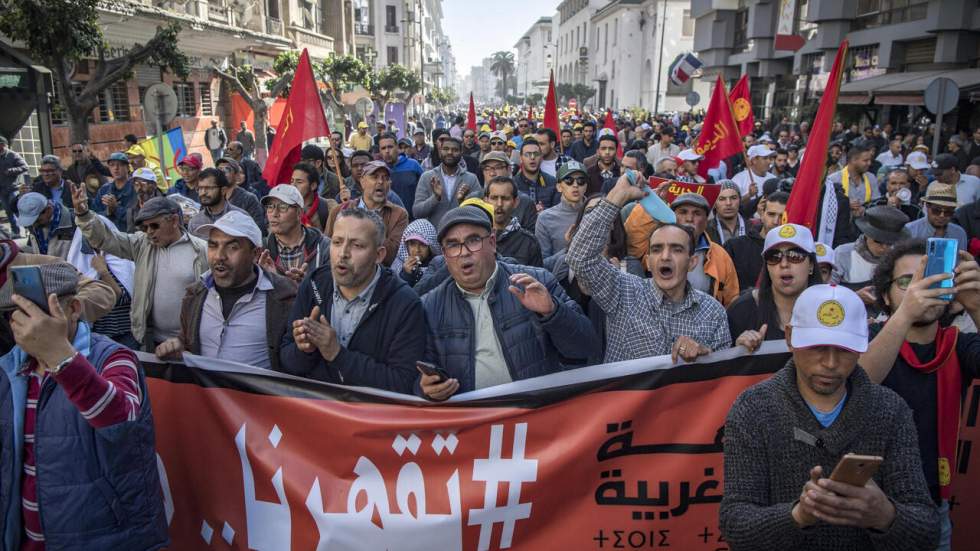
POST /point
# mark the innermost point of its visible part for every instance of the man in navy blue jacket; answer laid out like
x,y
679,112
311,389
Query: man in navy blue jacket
x,y
354,322
405,171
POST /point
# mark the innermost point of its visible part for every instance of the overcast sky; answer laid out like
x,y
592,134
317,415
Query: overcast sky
x,y
478,28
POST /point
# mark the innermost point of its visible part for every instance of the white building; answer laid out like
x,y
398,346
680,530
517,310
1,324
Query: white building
x,y
483,82
572,24
631,47
535,58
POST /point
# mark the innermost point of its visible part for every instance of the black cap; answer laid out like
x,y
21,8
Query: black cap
x,y
155,207
467,214
884,224
945,161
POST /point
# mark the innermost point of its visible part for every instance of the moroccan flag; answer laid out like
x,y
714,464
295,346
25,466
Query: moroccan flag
x,y
610,123
301,120
471,115
804,200
719,137
742,106
493,121
551,108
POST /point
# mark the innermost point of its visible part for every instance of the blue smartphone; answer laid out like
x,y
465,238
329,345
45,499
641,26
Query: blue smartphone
x,y
28,284
941,259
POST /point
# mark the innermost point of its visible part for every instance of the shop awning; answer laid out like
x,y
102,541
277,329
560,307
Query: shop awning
x,y
904,88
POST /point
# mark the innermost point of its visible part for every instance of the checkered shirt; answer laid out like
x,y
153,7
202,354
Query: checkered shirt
x,y
640,320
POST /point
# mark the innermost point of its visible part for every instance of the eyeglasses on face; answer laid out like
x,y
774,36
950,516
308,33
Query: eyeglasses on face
x,y
902,281
794,256
281,207
473,243
531,154
580,181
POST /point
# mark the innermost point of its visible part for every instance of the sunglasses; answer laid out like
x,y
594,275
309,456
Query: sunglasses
x,y
940,211
154,226
577,181
794,256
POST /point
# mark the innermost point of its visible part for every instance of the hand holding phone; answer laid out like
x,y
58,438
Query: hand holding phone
x,y
432,370
28,284
941,259
856,470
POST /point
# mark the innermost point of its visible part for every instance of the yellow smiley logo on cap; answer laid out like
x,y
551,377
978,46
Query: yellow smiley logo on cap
x,y
821,250
787,232
830,313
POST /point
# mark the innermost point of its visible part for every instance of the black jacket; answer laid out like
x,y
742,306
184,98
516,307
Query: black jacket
x,y
521,245
746,254
384,348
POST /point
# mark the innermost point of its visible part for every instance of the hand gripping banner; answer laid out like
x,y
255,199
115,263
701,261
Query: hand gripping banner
x,y
615,456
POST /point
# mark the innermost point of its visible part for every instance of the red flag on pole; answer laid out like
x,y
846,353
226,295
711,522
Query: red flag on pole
x,y
742,106
493,122
551,108
610,123
804,200
719,137
530,114
471,116
301,120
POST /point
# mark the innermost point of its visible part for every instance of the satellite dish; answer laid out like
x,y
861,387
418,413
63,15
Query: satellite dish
x,y
160,103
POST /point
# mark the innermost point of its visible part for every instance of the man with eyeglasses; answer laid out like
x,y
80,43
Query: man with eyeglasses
x,y
928,364
940,205
239,196
470,147
647,317
211,188
498,141
445,186
553,223
292,248
83,161
495,164
145,186
167,259
376,182
543,325
51,182
881,227
540,187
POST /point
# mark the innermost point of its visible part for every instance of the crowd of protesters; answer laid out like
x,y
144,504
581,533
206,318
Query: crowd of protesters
x,y
500,254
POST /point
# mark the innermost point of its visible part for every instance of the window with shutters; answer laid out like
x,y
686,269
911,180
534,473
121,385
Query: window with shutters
x,y
392,55
186,107
119,101
741,28
876,13
207,108
919,54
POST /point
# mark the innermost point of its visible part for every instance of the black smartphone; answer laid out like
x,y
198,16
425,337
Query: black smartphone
x,y
432,369
28,284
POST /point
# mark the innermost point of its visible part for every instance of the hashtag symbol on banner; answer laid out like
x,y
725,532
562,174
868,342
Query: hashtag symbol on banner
x,y
494,470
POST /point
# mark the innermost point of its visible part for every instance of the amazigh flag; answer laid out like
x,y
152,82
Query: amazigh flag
x,y
173,151
551,108
683,68
301,120
805,197
471,115
719,137
610,124
742,106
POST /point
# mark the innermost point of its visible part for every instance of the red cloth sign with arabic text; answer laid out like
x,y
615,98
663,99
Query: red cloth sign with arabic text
x,y
708,191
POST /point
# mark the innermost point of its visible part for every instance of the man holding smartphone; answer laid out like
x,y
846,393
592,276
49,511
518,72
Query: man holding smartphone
x,y
927,363
784,435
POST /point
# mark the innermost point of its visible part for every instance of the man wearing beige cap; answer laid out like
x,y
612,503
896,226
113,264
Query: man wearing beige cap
x,y
292,248
784,436
376,183
940,205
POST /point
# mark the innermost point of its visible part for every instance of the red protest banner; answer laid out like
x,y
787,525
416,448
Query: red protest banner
x,y
251,459
708,191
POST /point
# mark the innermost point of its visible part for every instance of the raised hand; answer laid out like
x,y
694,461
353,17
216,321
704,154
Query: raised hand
x,y
532,294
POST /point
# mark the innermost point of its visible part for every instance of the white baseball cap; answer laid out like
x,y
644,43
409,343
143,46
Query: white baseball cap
x,y
287,193
760,151
918,160
829,315
145,174
234,223
825,253
789,233
689,155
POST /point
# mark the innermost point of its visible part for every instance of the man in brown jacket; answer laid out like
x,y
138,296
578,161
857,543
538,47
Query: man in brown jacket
x,y
376,182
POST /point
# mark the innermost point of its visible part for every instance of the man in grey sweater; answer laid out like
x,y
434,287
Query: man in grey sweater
x,y
446,186
785,435
553,222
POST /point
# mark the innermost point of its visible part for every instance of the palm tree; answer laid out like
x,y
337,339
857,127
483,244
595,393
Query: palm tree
x,y
503,67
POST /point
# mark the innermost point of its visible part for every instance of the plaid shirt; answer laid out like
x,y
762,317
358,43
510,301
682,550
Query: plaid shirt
x,y
640,320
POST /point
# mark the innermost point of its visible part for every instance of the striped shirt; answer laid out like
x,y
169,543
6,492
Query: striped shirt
x,y
102,399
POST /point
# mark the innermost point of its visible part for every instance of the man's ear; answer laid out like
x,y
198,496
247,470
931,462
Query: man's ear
x,y
74,309
788,329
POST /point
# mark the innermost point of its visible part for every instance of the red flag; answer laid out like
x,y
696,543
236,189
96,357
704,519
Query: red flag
x,y
610,123
471,116
742,106
493,122
530,115
804,200
719,137
551,108
301,120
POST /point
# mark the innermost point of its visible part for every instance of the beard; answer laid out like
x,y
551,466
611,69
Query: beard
x,y
932,316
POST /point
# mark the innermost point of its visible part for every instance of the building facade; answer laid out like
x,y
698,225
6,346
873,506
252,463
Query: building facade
x,y
573,22
631,46
535,58
896,48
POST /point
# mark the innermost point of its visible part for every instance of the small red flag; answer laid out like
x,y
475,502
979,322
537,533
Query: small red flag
x,y
530,115
610,123
719,137
742,106
493,122
804,200
301,120
551,108
471,116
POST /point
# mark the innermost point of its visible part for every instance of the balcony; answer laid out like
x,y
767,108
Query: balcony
x,y
273,26
219,14
363,30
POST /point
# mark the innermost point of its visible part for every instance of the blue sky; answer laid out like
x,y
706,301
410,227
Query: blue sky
x,y
477,28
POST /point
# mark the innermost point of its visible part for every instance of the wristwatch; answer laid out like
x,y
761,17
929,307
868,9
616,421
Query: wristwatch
x,y
61,365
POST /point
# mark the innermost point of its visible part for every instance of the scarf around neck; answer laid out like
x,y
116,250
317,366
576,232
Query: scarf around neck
x,y
307,217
